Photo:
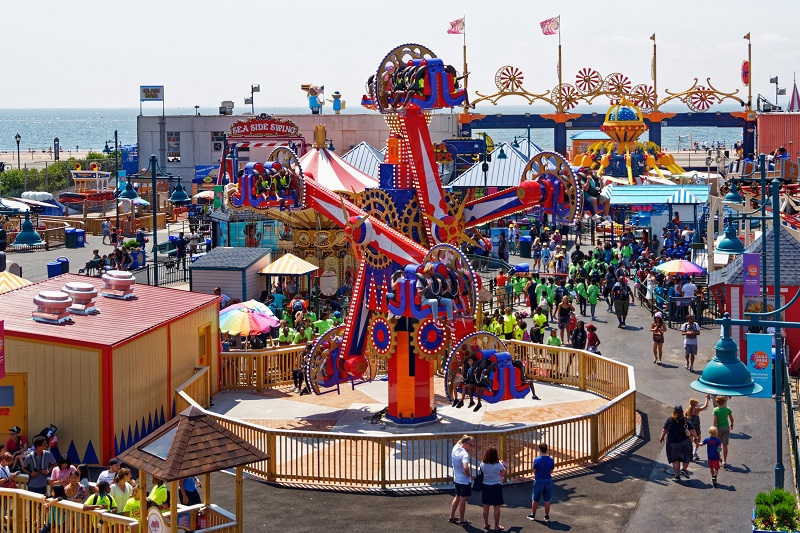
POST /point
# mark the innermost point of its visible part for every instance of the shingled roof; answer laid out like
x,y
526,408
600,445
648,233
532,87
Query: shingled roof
x,y
191,444
789,262
229,258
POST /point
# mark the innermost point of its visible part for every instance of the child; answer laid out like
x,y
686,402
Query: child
x,y
592,340
714,445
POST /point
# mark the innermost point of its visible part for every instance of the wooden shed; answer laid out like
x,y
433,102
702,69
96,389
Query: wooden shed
x,y
106,379
234,270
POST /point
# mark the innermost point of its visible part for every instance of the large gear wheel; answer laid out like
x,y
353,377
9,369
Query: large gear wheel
x,y
382,336
393,61
565,94
320,352
552,165
467,347
379,204
427,340
411,223
508,78
375,260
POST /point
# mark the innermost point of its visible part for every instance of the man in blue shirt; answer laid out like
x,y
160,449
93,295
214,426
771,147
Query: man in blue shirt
x,y
542,482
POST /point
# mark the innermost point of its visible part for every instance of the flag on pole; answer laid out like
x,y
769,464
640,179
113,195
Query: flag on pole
x,y
550,26
457,27
653,37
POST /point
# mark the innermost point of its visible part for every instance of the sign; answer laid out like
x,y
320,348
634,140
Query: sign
x,y
205,174
268,126
642,207
751,274
151,93
759,362
2,351
155,522
328,283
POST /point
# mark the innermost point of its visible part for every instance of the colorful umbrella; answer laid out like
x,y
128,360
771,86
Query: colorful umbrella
x,y
243,321
255,306
681,266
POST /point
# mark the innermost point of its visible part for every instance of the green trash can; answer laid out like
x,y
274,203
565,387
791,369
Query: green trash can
x,y
525,246
71,237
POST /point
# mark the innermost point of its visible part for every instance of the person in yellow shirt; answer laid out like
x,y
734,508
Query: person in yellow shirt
x,y
497,326
509,321
158,494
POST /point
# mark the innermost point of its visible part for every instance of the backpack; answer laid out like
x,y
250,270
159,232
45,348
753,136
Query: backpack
x,y
297,305
560,293
621,293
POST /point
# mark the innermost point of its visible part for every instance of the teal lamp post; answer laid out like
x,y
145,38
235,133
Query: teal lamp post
x,y
733,196
129,193
179,195
28,236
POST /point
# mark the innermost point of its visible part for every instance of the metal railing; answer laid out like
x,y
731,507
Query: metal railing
x,y
170,272
794,438
342,460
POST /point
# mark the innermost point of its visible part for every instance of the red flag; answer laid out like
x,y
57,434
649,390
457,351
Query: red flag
x,y
457,27
550,26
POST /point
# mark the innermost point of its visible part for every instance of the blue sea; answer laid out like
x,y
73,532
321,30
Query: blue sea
x,y
89,129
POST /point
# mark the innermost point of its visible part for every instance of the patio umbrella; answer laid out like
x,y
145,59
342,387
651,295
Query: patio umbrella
x,y
243,321
681,266
204,195
254,306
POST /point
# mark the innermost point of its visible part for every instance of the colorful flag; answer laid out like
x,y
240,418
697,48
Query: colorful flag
x,y
457,27
550,26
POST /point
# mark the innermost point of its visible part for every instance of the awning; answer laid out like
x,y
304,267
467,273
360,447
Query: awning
x,y
656,194
289,265
682,196
9,282
333,172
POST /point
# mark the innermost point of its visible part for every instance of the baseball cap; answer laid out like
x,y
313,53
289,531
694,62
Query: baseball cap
x,y
114,461
15,429
678,408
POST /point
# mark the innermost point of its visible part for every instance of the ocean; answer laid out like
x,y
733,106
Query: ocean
x,y
89,129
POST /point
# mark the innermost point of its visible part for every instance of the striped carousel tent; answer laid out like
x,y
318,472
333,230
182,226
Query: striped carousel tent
x,y
289,265
9,282
333,172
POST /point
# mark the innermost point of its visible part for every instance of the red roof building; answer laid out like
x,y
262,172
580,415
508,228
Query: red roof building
x,y
106,379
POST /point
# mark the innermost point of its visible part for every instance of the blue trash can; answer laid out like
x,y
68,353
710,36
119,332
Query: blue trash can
x,y
53,269
71,238
525,246
173,237
208,245
64,262
81,238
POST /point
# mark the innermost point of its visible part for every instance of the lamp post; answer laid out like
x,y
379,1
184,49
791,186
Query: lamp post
x,y
731,244
154,205
197,110
253,89
515,144
18,139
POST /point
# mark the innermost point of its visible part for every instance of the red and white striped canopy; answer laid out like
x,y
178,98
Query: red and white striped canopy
x,y
333,172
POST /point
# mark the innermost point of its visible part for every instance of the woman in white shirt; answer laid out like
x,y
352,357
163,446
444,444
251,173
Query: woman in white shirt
x,y
492,495
122,489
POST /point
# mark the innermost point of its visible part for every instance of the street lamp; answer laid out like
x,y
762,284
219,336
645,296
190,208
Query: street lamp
x,y
731,244
253,89
18,139
778,91
197,110
179,195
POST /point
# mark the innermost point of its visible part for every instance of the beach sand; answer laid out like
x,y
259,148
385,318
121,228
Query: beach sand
x,y
37,159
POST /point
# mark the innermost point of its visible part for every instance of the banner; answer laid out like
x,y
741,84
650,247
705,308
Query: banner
x,y
2,351
151,93
751,274
759,362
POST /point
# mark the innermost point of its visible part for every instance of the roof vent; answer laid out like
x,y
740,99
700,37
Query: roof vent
x,y
83,296
118,284
51,307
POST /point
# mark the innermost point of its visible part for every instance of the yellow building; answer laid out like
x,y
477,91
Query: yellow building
x,y
106,379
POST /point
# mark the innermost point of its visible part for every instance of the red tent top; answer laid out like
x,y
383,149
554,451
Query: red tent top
x,y
334,173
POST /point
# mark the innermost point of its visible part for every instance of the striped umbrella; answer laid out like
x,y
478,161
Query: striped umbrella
x,y
681,266
334,173
243,321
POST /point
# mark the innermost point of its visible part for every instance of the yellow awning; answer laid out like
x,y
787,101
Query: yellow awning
x,y
9,282
289,265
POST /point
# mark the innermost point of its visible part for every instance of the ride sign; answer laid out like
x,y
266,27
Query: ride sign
x,y
264,127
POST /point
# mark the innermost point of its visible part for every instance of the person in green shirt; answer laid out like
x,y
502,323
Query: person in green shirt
x,y
509,321
627,253
324,324
580,289
133,507
555,342
551,297
539,325
158,494
497,326
303,335
101,500
519,283
519,331
285,335
541,290
591,296
723,420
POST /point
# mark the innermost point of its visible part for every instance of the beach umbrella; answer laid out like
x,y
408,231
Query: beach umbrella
x,y
204,195
255,307
681,266
243,321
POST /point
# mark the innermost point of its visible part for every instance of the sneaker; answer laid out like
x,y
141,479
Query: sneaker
x,y
691,369
471,403
455,402
477,408
696,457
686,366
532,516
677,478
535,397
460,404
714,481
725,466
547,518
685,472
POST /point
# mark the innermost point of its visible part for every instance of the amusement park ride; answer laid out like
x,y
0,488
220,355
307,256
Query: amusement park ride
x,y
398,229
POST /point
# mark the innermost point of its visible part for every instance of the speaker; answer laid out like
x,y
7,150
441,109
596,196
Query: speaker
x,y
217,146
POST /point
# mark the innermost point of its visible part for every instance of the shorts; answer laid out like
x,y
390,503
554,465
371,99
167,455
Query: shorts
x,y
492,495
463,490
690,349
563,323
621,307
659,341
713,463
724,435
542,489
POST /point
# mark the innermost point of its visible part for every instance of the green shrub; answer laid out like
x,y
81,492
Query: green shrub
x,y
776,511
130,244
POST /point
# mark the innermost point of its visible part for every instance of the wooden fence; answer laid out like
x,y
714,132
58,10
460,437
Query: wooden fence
x,y
345,460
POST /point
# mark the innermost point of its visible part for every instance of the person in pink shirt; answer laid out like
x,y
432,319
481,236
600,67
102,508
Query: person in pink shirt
x,y
59,477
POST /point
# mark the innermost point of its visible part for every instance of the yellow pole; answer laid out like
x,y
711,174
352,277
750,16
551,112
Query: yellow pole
x,y
655,74
750,72
464,72
239,499
173,506
142,500
560,98
207,489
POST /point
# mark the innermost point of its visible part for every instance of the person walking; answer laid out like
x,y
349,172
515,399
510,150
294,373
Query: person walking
x,y
693,414
462,477
578,337
713,443
591,296
542,482
723,421
690,330
621,295
680,434
658,327
492,495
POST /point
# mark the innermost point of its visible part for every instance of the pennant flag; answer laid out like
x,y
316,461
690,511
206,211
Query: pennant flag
x,y
794,103
457,27
747,36
550,26
653,37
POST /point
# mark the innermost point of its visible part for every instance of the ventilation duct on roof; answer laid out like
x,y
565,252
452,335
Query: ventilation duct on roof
x,y
83,296
118,284
51,307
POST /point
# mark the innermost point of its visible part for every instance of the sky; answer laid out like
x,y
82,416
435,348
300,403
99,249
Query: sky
x,y
82,53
